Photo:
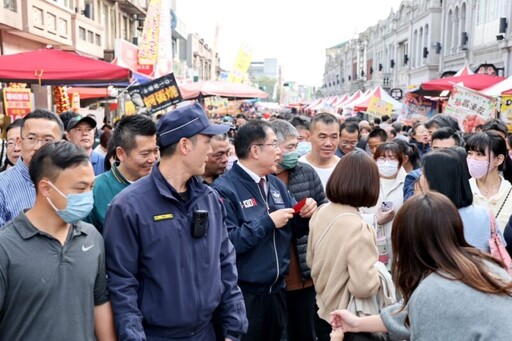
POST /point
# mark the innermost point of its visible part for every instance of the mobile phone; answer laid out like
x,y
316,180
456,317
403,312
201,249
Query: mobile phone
x,y
386,206
200,223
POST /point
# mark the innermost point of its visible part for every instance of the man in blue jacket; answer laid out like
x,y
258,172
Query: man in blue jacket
x,y
169,259
259,217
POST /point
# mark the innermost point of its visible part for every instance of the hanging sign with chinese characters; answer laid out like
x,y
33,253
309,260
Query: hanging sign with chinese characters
x,y
17,102
156,95
470,108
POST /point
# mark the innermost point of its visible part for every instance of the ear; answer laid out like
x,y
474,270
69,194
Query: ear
x,y
254,152
500,159
184,146
44,187
120,154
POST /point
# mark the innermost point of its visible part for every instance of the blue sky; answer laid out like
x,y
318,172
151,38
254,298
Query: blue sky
x,y
296,32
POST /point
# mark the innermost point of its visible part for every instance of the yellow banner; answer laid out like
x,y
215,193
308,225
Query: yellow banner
x,y
378,107
506,110
242,63
148,47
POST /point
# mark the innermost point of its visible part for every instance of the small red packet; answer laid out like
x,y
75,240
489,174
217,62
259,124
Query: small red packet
x,y
299,206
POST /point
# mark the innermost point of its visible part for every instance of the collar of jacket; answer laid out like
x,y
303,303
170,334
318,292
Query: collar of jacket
x,y
194,188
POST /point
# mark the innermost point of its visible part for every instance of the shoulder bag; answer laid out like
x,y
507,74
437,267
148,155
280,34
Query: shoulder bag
x,y
497,247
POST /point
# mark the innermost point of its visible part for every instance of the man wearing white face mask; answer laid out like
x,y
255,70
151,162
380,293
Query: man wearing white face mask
x,y
58,288
392,175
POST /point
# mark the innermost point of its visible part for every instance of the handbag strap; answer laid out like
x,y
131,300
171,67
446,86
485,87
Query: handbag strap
x,y
504,201
493,224
329,227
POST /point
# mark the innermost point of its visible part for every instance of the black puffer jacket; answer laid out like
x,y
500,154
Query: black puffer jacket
x,y
303,182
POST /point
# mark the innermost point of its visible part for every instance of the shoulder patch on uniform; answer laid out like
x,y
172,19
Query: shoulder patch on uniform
x,y
163,217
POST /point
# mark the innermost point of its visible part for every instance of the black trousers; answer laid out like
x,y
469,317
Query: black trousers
x,y
266,315
301,308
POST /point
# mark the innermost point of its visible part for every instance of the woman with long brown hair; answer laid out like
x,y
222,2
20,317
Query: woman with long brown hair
x,y
451,290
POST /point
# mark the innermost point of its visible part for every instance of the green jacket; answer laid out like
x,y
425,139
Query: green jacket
x,y
106,187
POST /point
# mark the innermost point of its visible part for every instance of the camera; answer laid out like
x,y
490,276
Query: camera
x,y
200,223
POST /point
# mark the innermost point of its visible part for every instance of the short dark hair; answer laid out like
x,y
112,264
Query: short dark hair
x,y
379,133
377,120
410,150
54,157
241,116
442,121
495,125
105,137
385,118
15,124
43,114
392,147
300,122
446,172
448,133
325,118
65,116
392,131
127,129
354,181
254,131
350,127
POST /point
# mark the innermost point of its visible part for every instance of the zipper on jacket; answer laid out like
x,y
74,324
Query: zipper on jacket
x,y
277,260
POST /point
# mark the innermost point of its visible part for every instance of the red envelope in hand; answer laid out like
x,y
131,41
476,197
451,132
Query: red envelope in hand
x,y
299,206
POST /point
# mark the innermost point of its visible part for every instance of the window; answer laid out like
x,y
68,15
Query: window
x,y
81,33
11,5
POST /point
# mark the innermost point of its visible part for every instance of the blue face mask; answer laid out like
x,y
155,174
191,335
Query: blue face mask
x,y
78,207
303,148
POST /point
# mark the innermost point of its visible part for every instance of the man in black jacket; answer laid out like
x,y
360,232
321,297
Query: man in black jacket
x,y
303,182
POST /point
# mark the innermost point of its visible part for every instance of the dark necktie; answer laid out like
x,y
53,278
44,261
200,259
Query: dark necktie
x,y
262,187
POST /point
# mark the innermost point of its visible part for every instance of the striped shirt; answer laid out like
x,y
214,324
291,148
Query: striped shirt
x,y
17,192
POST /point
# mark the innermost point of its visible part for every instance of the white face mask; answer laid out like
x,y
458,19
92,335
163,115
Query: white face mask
x,y
387,168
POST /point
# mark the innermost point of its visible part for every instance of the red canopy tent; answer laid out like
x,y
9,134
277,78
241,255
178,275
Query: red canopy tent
x,y
50,66
88,93
231,90
475,82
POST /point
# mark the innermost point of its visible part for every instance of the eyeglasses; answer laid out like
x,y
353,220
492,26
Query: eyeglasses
x,y
347,143
274,144
32,140
10,144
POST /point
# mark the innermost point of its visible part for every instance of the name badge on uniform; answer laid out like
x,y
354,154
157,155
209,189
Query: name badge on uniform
x,y
277,197
163,217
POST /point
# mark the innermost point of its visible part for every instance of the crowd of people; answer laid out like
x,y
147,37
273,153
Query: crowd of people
x,y
269,228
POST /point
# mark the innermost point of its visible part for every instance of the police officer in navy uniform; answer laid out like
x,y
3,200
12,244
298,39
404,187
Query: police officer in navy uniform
x,y
169,259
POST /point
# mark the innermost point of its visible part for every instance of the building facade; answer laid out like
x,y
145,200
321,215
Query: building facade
x,y
423,40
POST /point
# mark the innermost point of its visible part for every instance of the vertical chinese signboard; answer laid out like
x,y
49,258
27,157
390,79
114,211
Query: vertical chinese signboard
x,y
17,102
